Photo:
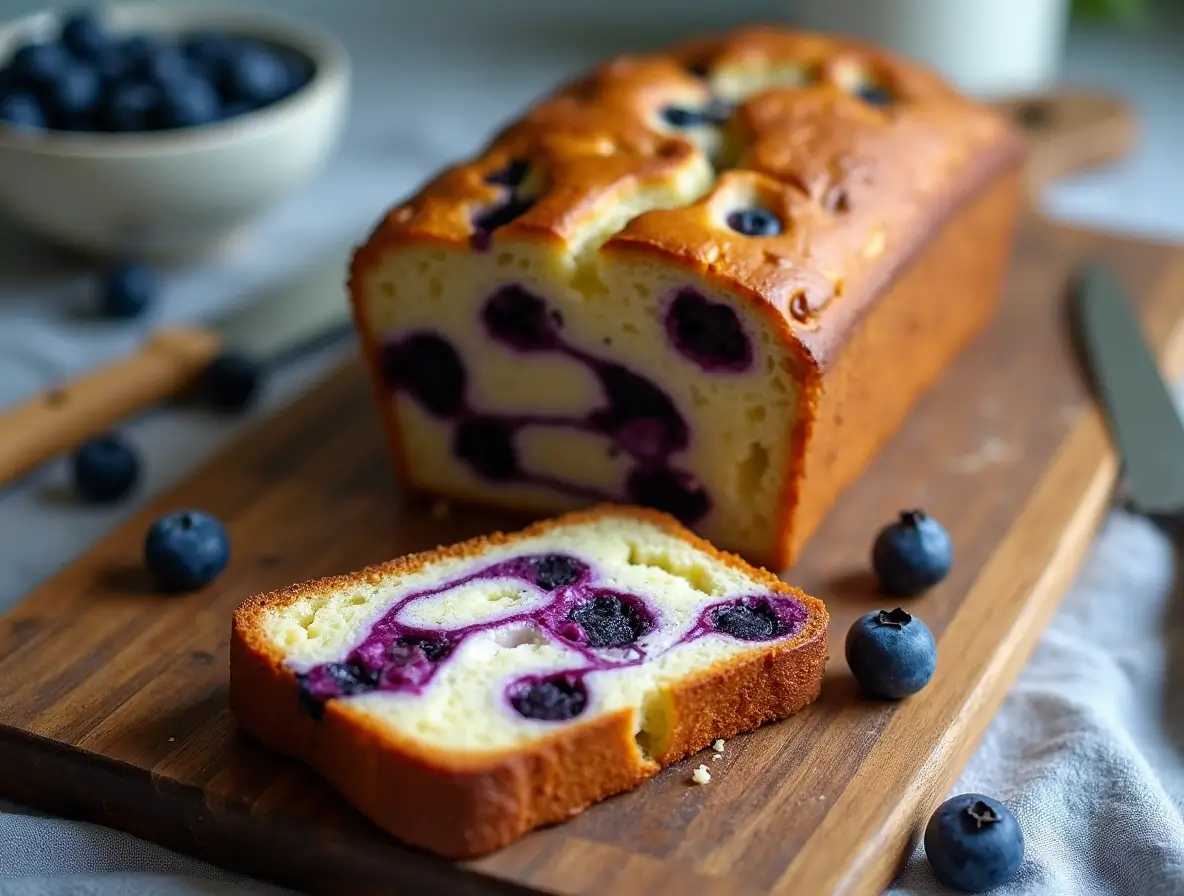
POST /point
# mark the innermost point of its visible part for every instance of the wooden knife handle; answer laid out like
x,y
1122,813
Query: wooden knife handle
x,y
61,418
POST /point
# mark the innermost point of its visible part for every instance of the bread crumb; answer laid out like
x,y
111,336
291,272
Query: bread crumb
x,y
715,756
440,510
172,739
718,746
701,775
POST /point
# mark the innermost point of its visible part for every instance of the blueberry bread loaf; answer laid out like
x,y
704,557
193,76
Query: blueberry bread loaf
x,y
711,281
462,697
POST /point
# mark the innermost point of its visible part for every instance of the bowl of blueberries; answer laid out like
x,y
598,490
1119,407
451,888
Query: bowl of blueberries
x,y
161,130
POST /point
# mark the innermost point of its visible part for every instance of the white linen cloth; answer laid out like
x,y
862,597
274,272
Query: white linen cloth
x,y
1088,746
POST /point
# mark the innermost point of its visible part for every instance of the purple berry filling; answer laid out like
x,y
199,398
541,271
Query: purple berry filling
x,y
708,333
555,698
611,620
590,620
640,419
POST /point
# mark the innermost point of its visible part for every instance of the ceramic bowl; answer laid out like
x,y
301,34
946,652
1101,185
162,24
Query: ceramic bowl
x,y
162,194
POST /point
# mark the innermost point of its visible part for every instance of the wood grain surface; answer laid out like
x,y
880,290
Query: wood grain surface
x,y
113,698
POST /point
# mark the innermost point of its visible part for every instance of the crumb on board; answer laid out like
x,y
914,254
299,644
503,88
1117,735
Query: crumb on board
x,y
715,756
440,510
718,746
701,775
172,739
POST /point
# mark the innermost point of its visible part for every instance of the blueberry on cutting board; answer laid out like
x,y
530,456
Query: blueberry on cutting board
x,y
231,382
974,843
891,653
186,550
912,555
105,469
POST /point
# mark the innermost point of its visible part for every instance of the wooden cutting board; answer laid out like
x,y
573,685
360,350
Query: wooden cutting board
x,y
113,698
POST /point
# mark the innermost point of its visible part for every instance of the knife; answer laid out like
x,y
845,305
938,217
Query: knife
x,y
1137,401
281,322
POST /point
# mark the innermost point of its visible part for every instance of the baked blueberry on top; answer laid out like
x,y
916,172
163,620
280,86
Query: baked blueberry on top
x,y
586,636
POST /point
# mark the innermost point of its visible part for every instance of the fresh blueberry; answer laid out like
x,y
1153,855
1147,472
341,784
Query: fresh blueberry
x,y
891,653
512,175
231,381
748,621
236,108
487,445
912,554
208,51
755,222
83,35
35,65
520,319
21,110
554,699
73,97
874,95
714,113
429,368
502,213
186,550
551,571
163,65
189,101
131,107
255,74
974,843
125,290
640,417
105,469
708,333
667,490
609,621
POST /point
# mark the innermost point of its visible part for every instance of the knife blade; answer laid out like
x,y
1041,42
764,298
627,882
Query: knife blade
x,y
1136,399
272,327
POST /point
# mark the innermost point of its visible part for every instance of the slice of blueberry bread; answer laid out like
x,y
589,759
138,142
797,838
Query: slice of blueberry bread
x,y
463,696
711,281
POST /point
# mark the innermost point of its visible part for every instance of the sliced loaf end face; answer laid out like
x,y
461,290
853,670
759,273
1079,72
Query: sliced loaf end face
x,y
514,680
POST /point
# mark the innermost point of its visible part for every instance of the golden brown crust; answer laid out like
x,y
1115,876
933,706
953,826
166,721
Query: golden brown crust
x,y
859,187
466,804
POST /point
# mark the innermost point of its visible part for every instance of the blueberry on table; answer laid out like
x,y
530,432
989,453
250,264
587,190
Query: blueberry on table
x,y
186,550
231,382
21,110
974,843
891,653
125,290
105,469
912,554
83,34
